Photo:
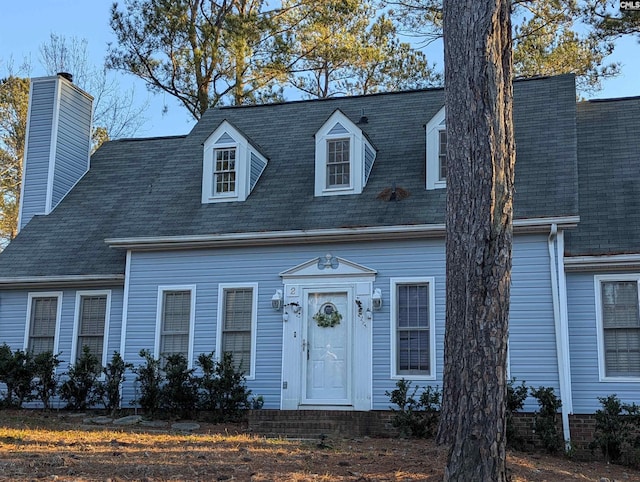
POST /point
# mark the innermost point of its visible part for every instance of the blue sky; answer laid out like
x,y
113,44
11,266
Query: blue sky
x,y
24,26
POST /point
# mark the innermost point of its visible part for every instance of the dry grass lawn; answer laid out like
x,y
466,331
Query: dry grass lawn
x,y
39,446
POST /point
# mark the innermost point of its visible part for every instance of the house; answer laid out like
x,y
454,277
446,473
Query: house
x,y
307,238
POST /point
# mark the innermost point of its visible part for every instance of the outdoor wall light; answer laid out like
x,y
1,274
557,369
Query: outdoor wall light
x,y
376,299
276,300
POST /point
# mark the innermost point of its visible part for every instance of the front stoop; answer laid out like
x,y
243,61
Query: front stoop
x,y
314,424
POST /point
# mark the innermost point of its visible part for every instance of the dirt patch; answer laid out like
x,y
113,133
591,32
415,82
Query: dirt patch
x,y
41,446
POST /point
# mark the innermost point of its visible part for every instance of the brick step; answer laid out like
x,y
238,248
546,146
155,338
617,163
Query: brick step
x,y
315,423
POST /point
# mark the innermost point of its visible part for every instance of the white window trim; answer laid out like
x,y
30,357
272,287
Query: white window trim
x,y
230,194
433,142
251,374
192,318
394,282
76,324
357,141
244,150
44,294
598,279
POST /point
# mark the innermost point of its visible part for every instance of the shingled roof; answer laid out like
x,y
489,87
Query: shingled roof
x,y
152,187
609,178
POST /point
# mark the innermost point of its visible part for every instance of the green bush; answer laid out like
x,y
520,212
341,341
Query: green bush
x,y
179,393
516,396
546,419
415,416
617,431
113,378
16,372
45,378
222,388
150,379
81,388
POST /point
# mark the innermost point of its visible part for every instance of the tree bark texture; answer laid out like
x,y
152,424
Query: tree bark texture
x,y
480,170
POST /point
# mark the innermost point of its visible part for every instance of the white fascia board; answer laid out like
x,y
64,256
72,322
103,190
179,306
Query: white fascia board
x,y
604,262
84,280
369,233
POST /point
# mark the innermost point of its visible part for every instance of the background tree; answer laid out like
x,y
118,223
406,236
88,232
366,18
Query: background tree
x,y
550,37
343,49
14,100
480,170
202,52
115,113
609,21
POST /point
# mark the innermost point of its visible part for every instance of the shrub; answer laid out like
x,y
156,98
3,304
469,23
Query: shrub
x,y
16,372
113,378
617,430
150,379
222,388
179,393
415,416
81,388
46,381
546,419
516,395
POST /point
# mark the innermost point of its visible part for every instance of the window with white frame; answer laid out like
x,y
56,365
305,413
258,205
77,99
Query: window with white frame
x,y
224,174
174,332
436,137
91,323
338,163
344,157
43,315
619,326
413,342
237,325
232,165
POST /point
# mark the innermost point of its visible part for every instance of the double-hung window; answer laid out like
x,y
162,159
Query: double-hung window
x,y
442,154
91,323
43,314
175,321
413,321
237,325
224,173
338,163
619,326
436,137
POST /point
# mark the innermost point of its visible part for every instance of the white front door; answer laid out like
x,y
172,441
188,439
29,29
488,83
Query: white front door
x,y
326,376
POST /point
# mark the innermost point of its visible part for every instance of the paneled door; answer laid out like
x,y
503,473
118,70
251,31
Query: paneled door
x,y
327,348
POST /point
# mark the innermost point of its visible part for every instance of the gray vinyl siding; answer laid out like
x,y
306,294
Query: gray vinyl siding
x,y
225,139
36,165
532,310
583,345
338,129
369,158
257,166
13,319
73,141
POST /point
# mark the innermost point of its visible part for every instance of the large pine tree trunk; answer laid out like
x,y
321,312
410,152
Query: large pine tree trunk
x,y
480,163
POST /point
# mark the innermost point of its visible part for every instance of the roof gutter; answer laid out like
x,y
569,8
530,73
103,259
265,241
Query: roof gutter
x,y
64,280
332,235
600,263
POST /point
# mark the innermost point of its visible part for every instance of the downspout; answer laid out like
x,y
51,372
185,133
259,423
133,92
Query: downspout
x,y
565,389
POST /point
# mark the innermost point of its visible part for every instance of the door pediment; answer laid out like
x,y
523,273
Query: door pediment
x,y
328,266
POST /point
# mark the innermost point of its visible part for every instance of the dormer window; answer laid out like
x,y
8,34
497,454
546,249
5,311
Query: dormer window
x,y
224,175
344,157
338,163
437,151
232,165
